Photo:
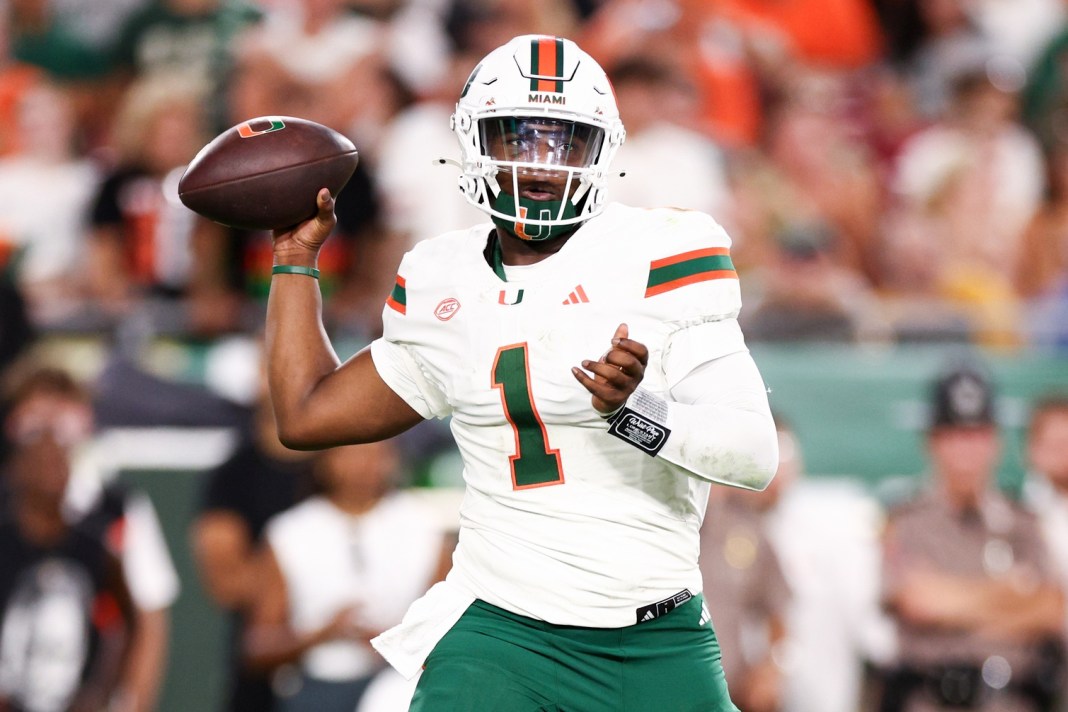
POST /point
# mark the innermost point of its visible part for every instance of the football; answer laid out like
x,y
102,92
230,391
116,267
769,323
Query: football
x,y
264,173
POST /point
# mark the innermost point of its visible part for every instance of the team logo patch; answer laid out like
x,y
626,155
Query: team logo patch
x,y
507,298
447,309
258,127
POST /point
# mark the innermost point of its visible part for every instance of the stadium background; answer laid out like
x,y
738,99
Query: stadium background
x,y
858,402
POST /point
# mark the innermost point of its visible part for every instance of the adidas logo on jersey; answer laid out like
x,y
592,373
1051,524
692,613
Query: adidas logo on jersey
x,y
577,296
662,608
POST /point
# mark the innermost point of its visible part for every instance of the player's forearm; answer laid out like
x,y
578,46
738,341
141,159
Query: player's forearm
x,y
299,353
268,647
730,446
721,425
1000,608
1027,613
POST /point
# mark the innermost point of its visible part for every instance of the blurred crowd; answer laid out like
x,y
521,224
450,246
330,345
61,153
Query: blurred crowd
x,y
825,598
889,170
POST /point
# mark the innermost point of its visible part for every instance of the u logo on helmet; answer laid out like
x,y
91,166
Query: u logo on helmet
x,y
249,128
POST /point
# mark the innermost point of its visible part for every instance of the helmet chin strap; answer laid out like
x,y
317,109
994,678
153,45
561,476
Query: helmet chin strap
x,y
537,209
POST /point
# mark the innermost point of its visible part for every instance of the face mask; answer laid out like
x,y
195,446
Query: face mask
x,y
538,209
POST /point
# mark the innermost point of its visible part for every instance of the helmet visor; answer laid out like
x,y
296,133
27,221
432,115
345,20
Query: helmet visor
x,y
541,141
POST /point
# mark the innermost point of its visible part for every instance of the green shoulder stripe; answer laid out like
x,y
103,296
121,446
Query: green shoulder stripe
x,y
688,268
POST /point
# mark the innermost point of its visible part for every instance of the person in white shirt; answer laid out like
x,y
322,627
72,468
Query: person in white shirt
x,y
1046,490
338,569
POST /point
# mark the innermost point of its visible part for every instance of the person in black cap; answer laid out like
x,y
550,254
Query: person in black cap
x,y
965,576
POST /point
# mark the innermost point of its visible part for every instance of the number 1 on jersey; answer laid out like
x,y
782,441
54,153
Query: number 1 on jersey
x,y
534,463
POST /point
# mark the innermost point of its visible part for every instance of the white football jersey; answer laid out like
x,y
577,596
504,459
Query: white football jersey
x,y
561,521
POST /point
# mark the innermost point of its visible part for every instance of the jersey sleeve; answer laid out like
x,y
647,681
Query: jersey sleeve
x,y
400,370
689,276
721,425
394,353
689,348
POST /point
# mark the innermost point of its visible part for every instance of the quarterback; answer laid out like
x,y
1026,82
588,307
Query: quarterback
x,y
597,382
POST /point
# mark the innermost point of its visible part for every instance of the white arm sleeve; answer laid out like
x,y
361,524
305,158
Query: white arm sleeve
x,y
721,424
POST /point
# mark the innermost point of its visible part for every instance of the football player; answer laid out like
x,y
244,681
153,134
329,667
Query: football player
x,y
597,382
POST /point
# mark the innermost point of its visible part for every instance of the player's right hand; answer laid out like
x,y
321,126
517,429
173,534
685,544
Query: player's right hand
x,y
300,244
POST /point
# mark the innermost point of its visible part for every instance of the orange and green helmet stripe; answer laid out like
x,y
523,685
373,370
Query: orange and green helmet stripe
x,y
688,268
547,60
398,298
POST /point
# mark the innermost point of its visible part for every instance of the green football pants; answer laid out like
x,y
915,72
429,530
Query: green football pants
x,y
496,661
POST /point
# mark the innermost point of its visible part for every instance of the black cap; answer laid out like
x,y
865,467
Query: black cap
x,y
963,397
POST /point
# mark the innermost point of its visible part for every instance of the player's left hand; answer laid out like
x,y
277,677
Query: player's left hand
x,y
616,374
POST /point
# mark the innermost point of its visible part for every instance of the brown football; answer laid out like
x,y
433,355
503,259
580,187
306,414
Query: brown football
x,y
264,173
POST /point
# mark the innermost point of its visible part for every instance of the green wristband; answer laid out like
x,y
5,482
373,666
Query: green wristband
x,y
295,269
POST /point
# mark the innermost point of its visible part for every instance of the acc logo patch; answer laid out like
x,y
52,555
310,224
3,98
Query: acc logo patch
x,y
447,309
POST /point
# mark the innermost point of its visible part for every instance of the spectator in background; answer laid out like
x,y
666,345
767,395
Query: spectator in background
x,y
259,480
813,167
418,197
16,77
802,294
1046,489
747,595
62,39
106,510
144,243
825,533
793,574
319,60
965,574
975,179
1045,95
66,616
307,58
1041,271
735,50
117,513
72,42
191,38
46,176
337,570
932,42
658,105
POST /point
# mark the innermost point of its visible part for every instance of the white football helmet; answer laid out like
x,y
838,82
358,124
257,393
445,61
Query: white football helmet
x,y
537,104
